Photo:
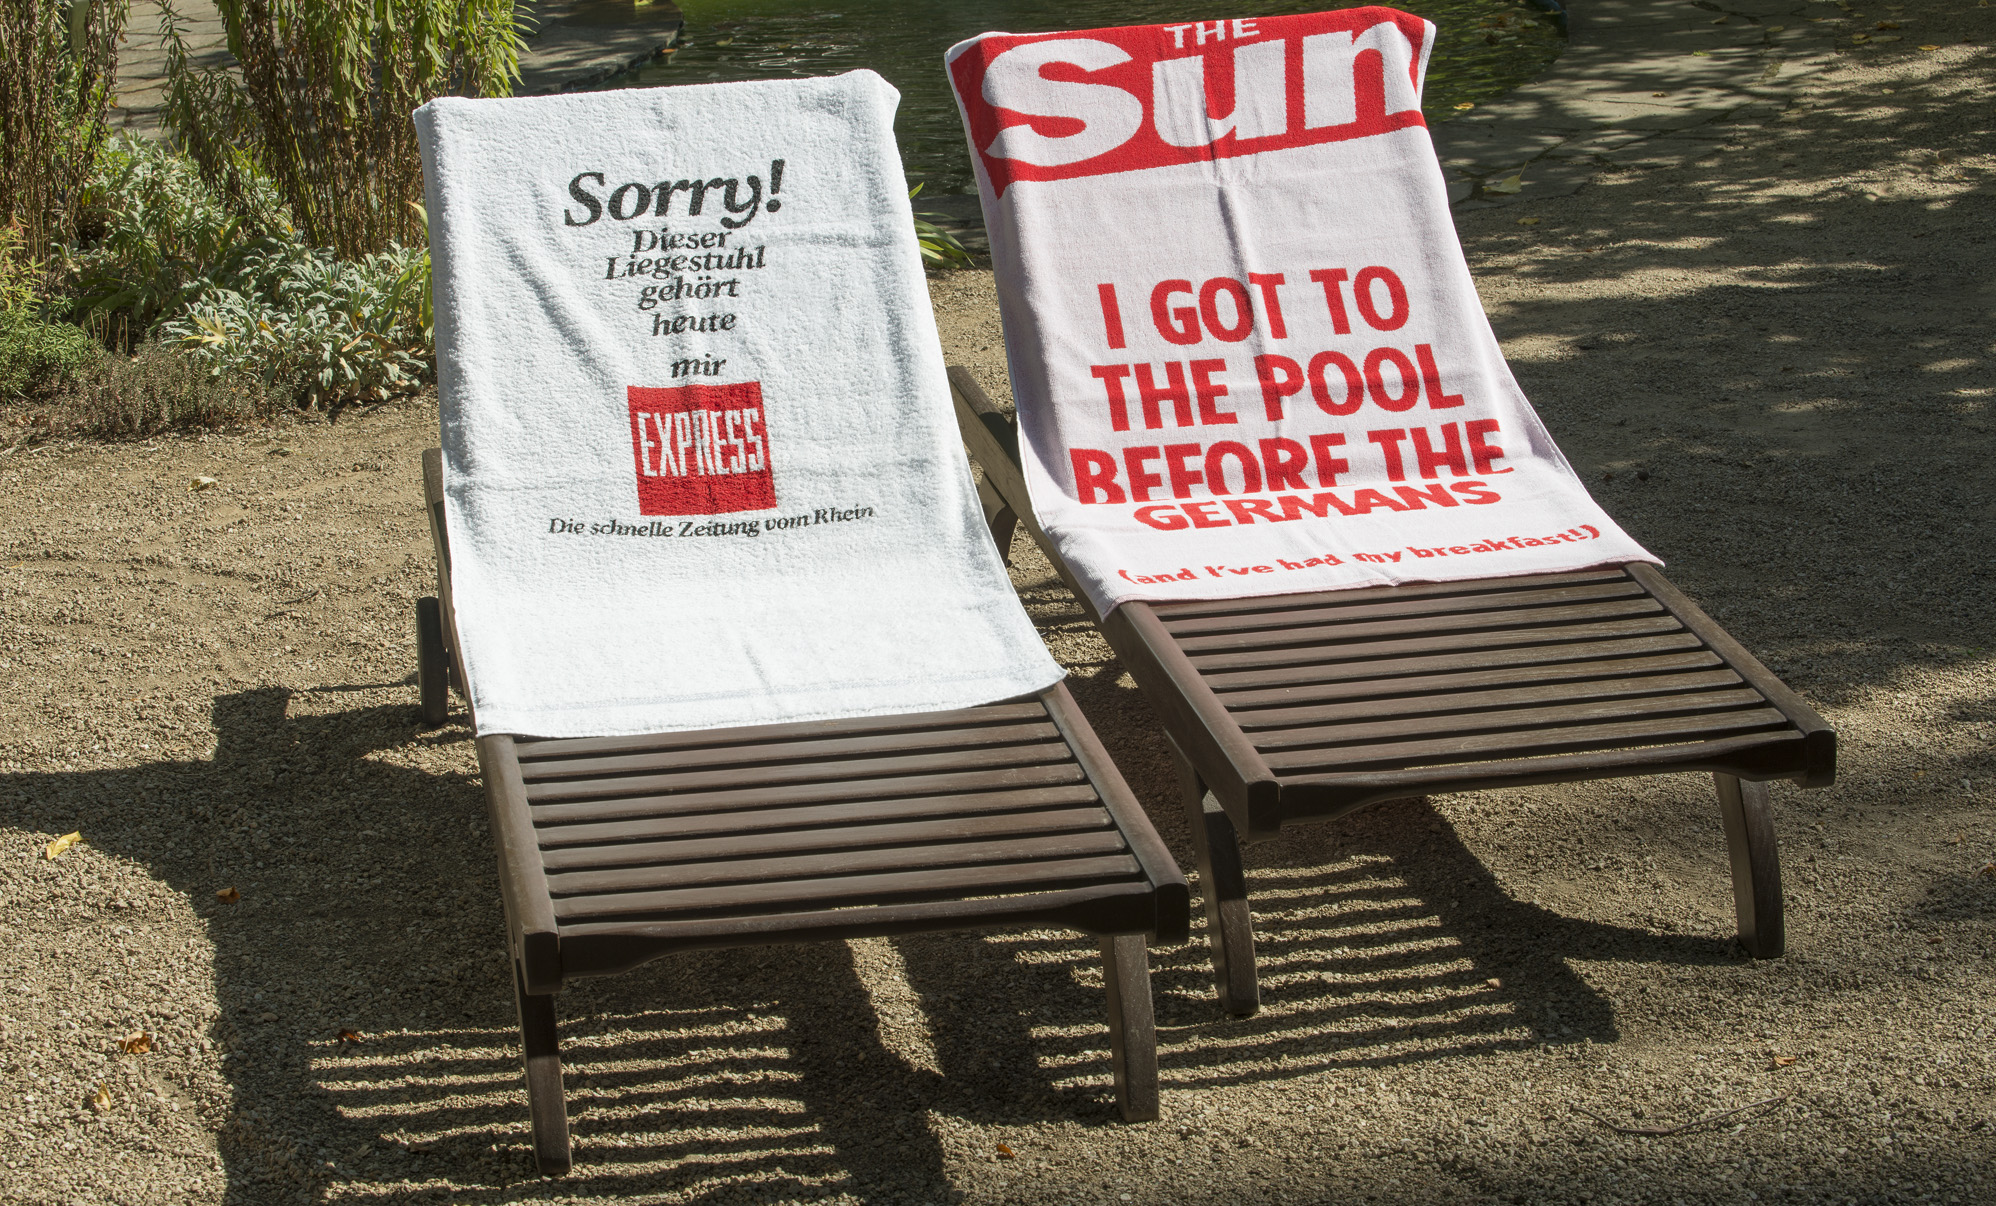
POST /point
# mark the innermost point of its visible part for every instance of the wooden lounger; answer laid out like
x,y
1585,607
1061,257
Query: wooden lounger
x,y
616,851
1294,708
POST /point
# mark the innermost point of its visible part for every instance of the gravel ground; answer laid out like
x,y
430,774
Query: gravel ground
x,y
1772,361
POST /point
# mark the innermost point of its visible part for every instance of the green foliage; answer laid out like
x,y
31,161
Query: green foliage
x,y
318,104
20,273
36,355
300,318
940,248
158,389
58,63
240,292
162,238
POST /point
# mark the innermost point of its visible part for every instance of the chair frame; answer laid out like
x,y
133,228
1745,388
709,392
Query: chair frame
x,y
602,824
1232,792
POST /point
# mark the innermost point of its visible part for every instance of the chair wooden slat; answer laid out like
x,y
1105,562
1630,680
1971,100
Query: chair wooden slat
x,y
827,865
1389,664
615,808
1473,645
938,883
832,833
1506,667
731,813
1535,742
1776,747
782,774
1443,708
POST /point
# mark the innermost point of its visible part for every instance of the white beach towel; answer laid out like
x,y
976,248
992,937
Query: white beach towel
x,y
698,451
1247,354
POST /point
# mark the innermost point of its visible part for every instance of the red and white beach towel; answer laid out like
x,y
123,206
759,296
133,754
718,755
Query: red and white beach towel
x,y
1247,354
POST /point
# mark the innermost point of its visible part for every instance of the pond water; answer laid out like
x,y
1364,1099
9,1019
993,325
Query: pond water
x,y
1484,47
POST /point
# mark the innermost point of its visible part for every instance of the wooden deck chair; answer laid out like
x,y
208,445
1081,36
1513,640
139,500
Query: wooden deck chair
x,y
1287,709
811,772
1312,211
617,851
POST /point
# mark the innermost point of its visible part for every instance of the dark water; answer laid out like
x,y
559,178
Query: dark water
x,y
1485,47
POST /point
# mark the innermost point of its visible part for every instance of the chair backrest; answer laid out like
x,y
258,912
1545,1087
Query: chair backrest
x,y
1246,350
698,456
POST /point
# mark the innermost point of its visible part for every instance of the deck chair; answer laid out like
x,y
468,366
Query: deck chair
x,y
1283,709
620,849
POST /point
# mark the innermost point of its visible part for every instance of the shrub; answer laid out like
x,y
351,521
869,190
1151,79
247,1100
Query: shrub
x,y
36,355
302,320
158,389
58,63
162,237
241,292
320,99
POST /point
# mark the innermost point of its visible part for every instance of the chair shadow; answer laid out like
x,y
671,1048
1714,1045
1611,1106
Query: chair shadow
x,y
368,907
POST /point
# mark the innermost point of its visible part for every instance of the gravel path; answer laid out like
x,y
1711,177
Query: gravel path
x,y
1771,357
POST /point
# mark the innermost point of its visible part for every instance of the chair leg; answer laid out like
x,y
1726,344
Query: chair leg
x,y
432,662
544,1096
1132,1026
1749,821
999,516
1223,884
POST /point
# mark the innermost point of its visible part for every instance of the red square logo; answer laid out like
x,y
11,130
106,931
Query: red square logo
x,y
701,449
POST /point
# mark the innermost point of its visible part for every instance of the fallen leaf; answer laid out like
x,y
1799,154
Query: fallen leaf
x,y
1887,38
1936,940
1494,982
349,1036
100,1101
1886,25
282,451
1701,54
1783,1061
135,1044
1005,1152
1919,774
203,483
1988,869
1860,37
1776,28
1528,221
228,895
53,850
1930,46
1659,94
1507,186
1958,838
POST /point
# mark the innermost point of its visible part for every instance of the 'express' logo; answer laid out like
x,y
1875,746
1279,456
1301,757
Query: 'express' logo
x,y
1058,106
701,449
